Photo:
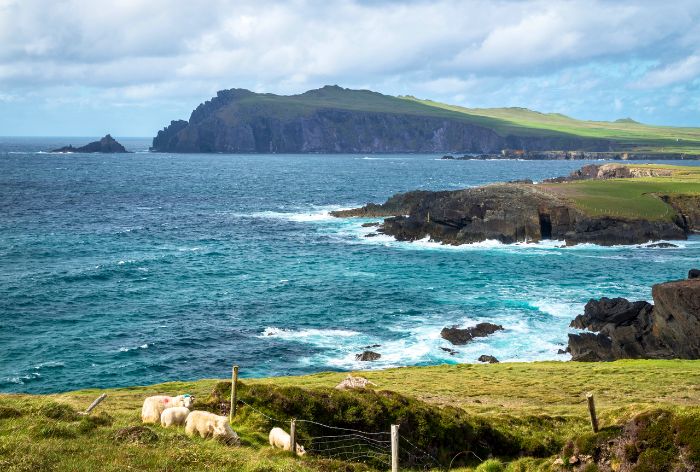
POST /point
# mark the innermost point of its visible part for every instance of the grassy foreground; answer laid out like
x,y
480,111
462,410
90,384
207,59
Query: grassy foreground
x,y
631,197
540,403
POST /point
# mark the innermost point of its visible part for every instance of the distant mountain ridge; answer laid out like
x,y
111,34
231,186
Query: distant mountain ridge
x,y
333,119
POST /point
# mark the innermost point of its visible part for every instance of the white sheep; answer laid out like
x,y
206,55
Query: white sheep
x,y
154,406
174,416
210,425
280,438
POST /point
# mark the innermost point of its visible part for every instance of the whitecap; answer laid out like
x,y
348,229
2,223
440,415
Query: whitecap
x,y
281,333
127,349
554,308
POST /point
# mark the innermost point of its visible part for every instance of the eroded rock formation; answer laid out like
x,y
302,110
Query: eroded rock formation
x,y
620,329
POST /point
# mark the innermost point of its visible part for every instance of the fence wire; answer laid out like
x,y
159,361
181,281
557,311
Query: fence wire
x,y
354,445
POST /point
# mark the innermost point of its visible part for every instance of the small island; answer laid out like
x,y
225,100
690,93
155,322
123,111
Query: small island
x,y
107,145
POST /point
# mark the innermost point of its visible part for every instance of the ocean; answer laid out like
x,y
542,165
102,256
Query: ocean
x,y
120,270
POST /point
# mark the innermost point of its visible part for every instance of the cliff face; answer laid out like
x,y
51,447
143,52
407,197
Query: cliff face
x,y
508,213
620,329
336,120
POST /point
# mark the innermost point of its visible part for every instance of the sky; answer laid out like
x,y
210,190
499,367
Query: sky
x,y
128,67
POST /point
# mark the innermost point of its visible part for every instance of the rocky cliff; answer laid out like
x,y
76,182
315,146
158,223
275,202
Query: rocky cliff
x,y
620,329
106,145
337,120
508,213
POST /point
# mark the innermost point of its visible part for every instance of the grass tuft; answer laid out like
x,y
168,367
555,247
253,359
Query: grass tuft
x,y
59,411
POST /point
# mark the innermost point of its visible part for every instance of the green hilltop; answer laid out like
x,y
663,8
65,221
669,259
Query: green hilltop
x,y
336,119
628,133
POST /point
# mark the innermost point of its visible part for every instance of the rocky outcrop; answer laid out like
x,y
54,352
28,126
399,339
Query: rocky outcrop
x,y
399,204
459,336
367,356
507,213
105,145
620,329
612,171
487,358
688,208
337,120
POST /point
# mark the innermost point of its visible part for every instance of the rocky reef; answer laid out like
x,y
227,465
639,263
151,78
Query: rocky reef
x,y
459,336
105,145
620,329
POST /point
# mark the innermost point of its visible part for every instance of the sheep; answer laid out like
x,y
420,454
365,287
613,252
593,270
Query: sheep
x,y
154,406
174,416
280,438
208,424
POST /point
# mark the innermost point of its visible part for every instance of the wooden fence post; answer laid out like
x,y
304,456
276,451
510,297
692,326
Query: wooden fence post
x,y
394,448
234,393
591,410
94,404
293,436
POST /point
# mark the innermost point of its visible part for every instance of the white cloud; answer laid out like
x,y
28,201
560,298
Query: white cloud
x,y
680,71
475,51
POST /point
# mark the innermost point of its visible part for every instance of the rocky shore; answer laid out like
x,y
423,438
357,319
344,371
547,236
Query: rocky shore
x,y
522,212
620,329
105,145
574,155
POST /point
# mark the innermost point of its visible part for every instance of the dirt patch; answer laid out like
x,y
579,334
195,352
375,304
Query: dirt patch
x,y
136,434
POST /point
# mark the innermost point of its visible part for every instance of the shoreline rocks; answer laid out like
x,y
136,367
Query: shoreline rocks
x,y
459,336
489,359
620,329
525,212
366,356
107,145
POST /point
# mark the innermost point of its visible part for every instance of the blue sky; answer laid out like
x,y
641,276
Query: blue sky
x,y
86,68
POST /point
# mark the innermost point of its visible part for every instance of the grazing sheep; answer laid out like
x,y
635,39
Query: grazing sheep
x,y
154,406
174,416
280,438
208,424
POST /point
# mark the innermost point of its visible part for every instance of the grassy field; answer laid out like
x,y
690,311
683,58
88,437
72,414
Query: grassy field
x,y
630,198
541,403
637,136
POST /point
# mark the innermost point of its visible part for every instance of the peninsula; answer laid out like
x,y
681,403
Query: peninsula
x,y
606,204
333,119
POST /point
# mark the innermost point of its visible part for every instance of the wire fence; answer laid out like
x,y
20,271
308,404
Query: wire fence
x,y
353,445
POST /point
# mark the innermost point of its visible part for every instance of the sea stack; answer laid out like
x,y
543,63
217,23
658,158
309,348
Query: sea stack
x,y
105,145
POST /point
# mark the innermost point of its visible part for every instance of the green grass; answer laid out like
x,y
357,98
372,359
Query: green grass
x,y
632,135
542,402
630,198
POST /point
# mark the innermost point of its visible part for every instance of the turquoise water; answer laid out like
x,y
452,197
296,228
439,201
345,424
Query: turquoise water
x,y
133,269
